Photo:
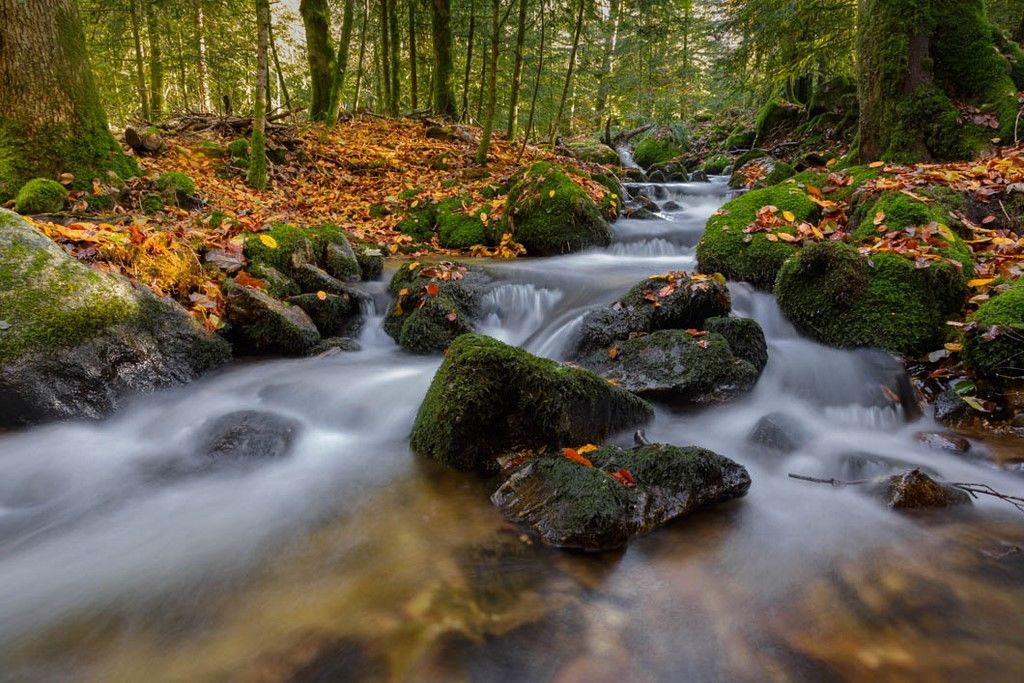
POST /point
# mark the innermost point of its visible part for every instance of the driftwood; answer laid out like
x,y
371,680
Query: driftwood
x,y
194,122
625,136
144,143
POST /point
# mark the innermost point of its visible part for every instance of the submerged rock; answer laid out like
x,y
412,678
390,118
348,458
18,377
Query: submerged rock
x,y
915,489
943,441
75,342
249,434
624,494
488,399
780,432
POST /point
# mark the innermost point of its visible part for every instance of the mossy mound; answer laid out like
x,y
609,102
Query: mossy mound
x,y
659,145
238,149
625,493
73,339
489,399
594,152
41,195
420,220
299,252
995,346
745,337
433,305
775,114
839,297
716,164
752,258
176,187
760,173
459,229
550,214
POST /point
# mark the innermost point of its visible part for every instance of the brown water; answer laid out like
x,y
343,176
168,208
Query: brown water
x,y
353,560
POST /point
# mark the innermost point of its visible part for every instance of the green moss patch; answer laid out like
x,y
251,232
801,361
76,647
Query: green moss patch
x,y
41,195
995,346
658,146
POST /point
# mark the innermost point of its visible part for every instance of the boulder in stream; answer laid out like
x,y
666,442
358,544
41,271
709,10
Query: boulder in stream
x,y
259,323
601,501
780,432
489,399
916,490
248,435
75,342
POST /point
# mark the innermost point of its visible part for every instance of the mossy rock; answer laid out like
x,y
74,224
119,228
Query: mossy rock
x,y
238,149
745,337
335,315
41,195
260,324
676,367
278,284
550,214
488,399
994,348
770,172
419,221
431,307
752,258
293,250
570,505
371,261
648,307
593,151
659,145
611,202
211,149
716,163
775,114
820,179
177,187
73,339
740,138
839,297
458,229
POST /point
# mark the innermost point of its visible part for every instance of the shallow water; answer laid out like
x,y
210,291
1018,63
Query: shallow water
x,y
353,560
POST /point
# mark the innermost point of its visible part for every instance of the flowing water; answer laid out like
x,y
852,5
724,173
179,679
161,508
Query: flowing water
x,y
122,560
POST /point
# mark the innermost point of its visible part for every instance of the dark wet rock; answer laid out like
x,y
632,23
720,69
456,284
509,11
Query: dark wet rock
x,y
638,213
864,465
76,342
950,408
644,202
433,305
570,505
671,301
249,434
312,278
278,284
675,366
700,176
229,261
780,432
916,490
341,262
371,263
317,258
335,345
943,441
671,206
745,337
488,399
260,323
334,315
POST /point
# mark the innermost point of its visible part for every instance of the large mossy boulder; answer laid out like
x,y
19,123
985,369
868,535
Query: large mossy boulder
x,y
619,495
994,345
593,151
260,324
675,300
40,195
489,399
75,342
838,296
752,257
305,254
549,214
760,173
659,145
433,304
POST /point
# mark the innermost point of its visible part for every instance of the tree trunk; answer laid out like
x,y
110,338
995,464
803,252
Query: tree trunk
x,y
910,75
611,36
179,45
316,18
469,60
536,83
483,86
492,85
393,27
441,78
362,54
383,51
258,155
412,52
202,66
51,119
282,86
156,67
517,73
341,63
568,73
140,66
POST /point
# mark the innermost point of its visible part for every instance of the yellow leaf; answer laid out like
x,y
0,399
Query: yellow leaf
x,y
954,348
322,295
831,162
268,241
414,265
589,448
403,292
551,194
789,216
772,237
876,164
981,282
483,218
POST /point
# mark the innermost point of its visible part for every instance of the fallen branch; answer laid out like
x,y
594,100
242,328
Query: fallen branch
x,y
837,483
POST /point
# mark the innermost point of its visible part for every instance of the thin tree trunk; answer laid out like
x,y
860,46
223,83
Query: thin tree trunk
x,y
568,74
536,83
282,86
258,163
607,63
156,67
362,54
517,73
179,48
202,66
340,64
441,76
316,18
395,67
140,66
384,54
412,52
483,86
469,60
379,102
492,86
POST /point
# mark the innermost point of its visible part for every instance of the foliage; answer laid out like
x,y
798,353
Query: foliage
x,y
41,195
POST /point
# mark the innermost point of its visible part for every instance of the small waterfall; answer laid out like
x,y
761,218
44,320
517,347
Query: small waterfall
x,y
513,312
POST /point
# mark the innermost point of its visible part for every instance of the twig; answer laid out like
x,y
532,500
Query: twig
x,y
837,483
985,490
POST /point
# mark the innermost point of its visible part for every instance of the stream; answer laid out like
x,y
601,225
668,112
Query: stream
x,y
353,560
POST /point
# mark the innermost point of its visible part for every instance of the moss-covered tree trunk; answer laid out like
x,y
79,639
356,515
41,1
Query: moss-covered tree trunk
x,y
257,176
51,120
517,73
492,85
340,64
316,18
442,95
156,63
915,59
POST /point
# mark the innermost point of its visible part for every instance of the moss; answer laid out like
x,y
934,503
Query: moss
x,y
426,324
239,149
995,347
458,229
773,114
288,238
744,336
819,179
726,249
48,300
429,328
550,214
211,149
99,202
410,193
177,186
488,398
612,199
740,138
593,152
716,163
257,176
659,145
420,221
279,285
841,298
379,211
41,195
152,202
